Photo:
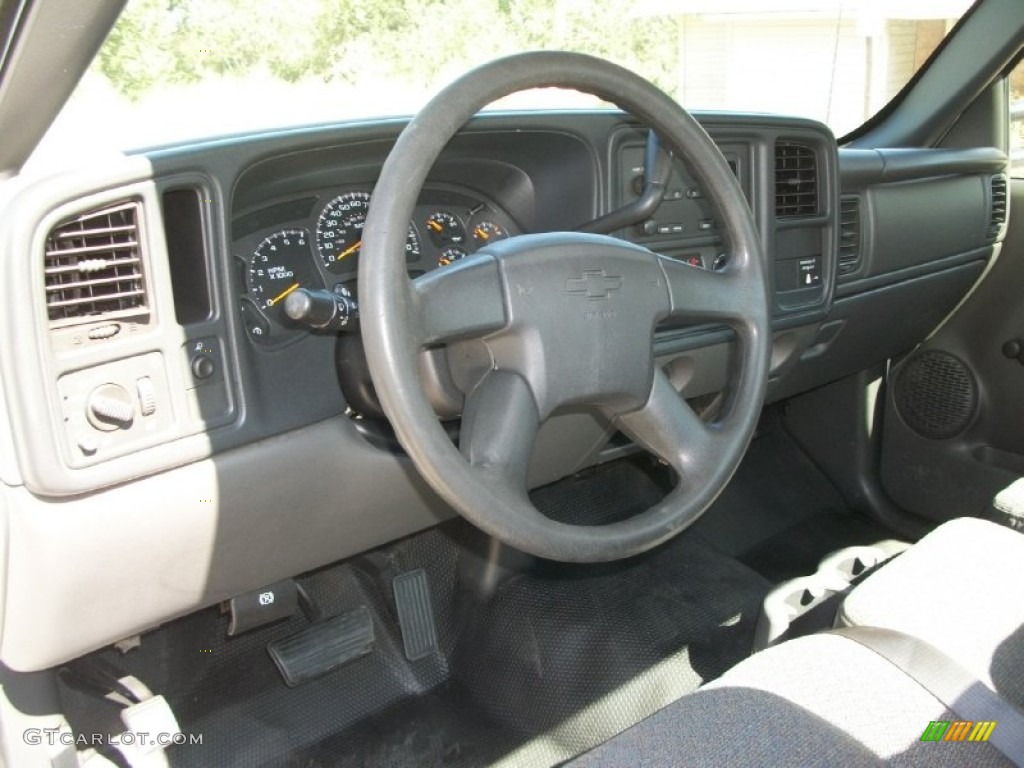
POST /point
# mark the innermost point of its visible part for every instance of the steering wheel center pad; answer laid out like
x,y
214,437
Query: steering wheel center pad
x,y
579,312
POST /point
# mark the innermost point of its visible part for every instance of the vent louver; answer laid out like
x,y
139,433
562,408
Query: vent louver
x,y
998,215
93,266
849,235
796,180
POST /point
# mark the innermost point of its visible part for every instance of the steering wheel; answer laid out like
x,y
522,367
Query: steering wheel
x,y
537,322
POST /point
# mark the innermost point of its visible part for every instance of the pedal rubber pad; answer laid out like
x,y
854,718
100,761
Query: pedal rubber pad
x,y
415,614
318,649
262,606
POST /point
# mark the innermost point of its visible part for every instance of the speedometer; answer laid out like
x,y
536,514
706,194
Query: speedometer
x,y
339,232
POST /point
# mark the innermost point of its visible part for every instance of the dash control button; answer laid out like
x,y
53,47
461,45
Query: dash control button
x,y
809,270
203,367
110,408
147,396
101,332
203,358
88,445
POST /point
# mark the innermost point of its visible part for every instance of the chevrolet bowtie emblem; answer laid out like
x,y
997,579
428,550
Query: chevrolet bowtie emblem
x,y
595,285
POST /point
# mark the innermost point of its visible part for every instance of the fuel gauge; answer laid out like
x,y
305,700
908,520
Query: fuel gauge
x,y
445,229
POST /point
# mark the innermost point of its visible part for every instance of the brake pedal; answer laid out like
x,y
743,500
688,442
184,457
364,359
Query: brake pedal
x,y
323,647
415,614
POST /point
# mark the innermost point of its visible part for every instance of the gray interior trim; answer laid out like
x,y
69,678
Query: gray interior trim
x,y
923,270
116,563
861,168
53,43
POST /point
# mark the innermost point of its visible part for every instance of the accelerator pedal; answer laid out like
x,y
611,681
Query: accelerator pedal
x,y
415,614
324,646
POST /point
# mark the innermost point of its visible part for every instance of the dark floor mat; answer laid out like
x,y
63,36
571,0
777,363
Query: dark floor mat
x,y
552,641
797,550
230,692
776,487
571,654
780,515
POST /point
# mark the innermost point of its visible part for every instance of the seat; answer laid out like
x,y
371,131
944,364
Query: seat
x,y
775,710
828,700
959,589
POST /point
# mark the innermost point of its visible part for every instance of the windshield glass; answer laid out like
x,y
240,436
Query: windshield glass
x,y
174,70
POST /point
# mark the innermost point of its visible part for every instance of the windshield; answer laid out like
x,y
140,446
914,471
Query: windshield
x,y
174,70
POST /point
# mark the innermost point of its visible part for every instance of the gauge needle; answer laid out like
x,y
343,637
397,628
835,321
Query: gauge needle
x,y
481,234
282,294
434,225
350,250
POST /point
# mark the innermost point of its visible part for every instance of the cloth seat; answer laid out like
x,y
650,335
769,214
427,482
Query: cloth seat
x,y
827,700
960,589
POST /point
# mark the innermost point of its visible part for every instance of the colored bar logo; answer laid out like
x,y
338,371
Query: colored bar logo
x,y
958,730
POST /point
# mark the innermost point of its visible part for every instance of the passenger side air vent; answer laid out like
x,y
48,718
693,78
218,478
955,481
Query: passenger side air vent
x,y
94,267
849,235
796,180
998,215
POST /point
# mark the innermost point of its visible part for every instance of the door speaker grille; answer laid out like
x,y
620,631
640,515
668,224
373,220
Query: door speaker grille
x,y
936,395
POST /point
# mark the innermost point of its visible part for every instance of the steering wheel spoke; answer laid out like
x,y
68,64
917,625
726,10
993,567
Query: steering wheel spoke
x,y
499,427
461,301
700,294
668,427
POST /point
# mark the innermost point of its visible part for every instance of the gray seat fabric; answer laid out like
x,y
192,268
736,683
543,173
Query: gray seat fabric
x,y
825,700
821,700
1008,506
959,589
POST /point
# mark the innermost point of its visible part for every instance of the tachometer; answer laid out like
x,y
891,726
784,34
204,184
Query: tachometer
x,y
282,263
339,232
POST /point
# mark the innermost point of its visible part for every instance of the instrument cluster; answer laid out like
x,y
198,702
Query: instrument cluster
x,y
321,248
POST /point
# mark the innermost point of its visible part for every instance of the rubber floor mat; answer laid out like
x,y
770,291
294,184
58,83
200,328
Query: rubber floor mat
x,y
557,659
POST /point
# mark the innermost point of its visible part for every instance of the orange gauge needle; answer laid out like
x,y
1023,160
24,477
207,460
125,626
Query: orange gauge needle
x,y
350,250
282,294
481,234
436,226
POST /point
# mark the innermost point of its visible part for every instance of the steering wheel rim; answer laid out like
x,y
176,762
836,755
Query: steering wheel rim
x,y
518,306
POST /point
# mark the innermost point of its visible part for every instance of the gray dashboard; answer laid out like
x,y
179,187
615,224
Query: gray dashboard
x,y
201,444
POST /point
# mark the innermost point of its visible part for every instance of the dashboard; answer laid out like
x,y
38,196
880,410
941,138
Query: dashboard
x,y
164,408
314,242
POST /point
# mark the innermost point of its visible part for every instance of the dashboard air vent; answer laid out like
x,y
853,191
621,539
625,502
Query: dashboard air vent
x,y
849,235
796,180
998,215
94,266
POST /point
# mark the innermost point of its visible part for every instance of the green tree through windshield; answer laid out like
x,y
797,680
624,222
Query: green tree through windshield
x,y
180,41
